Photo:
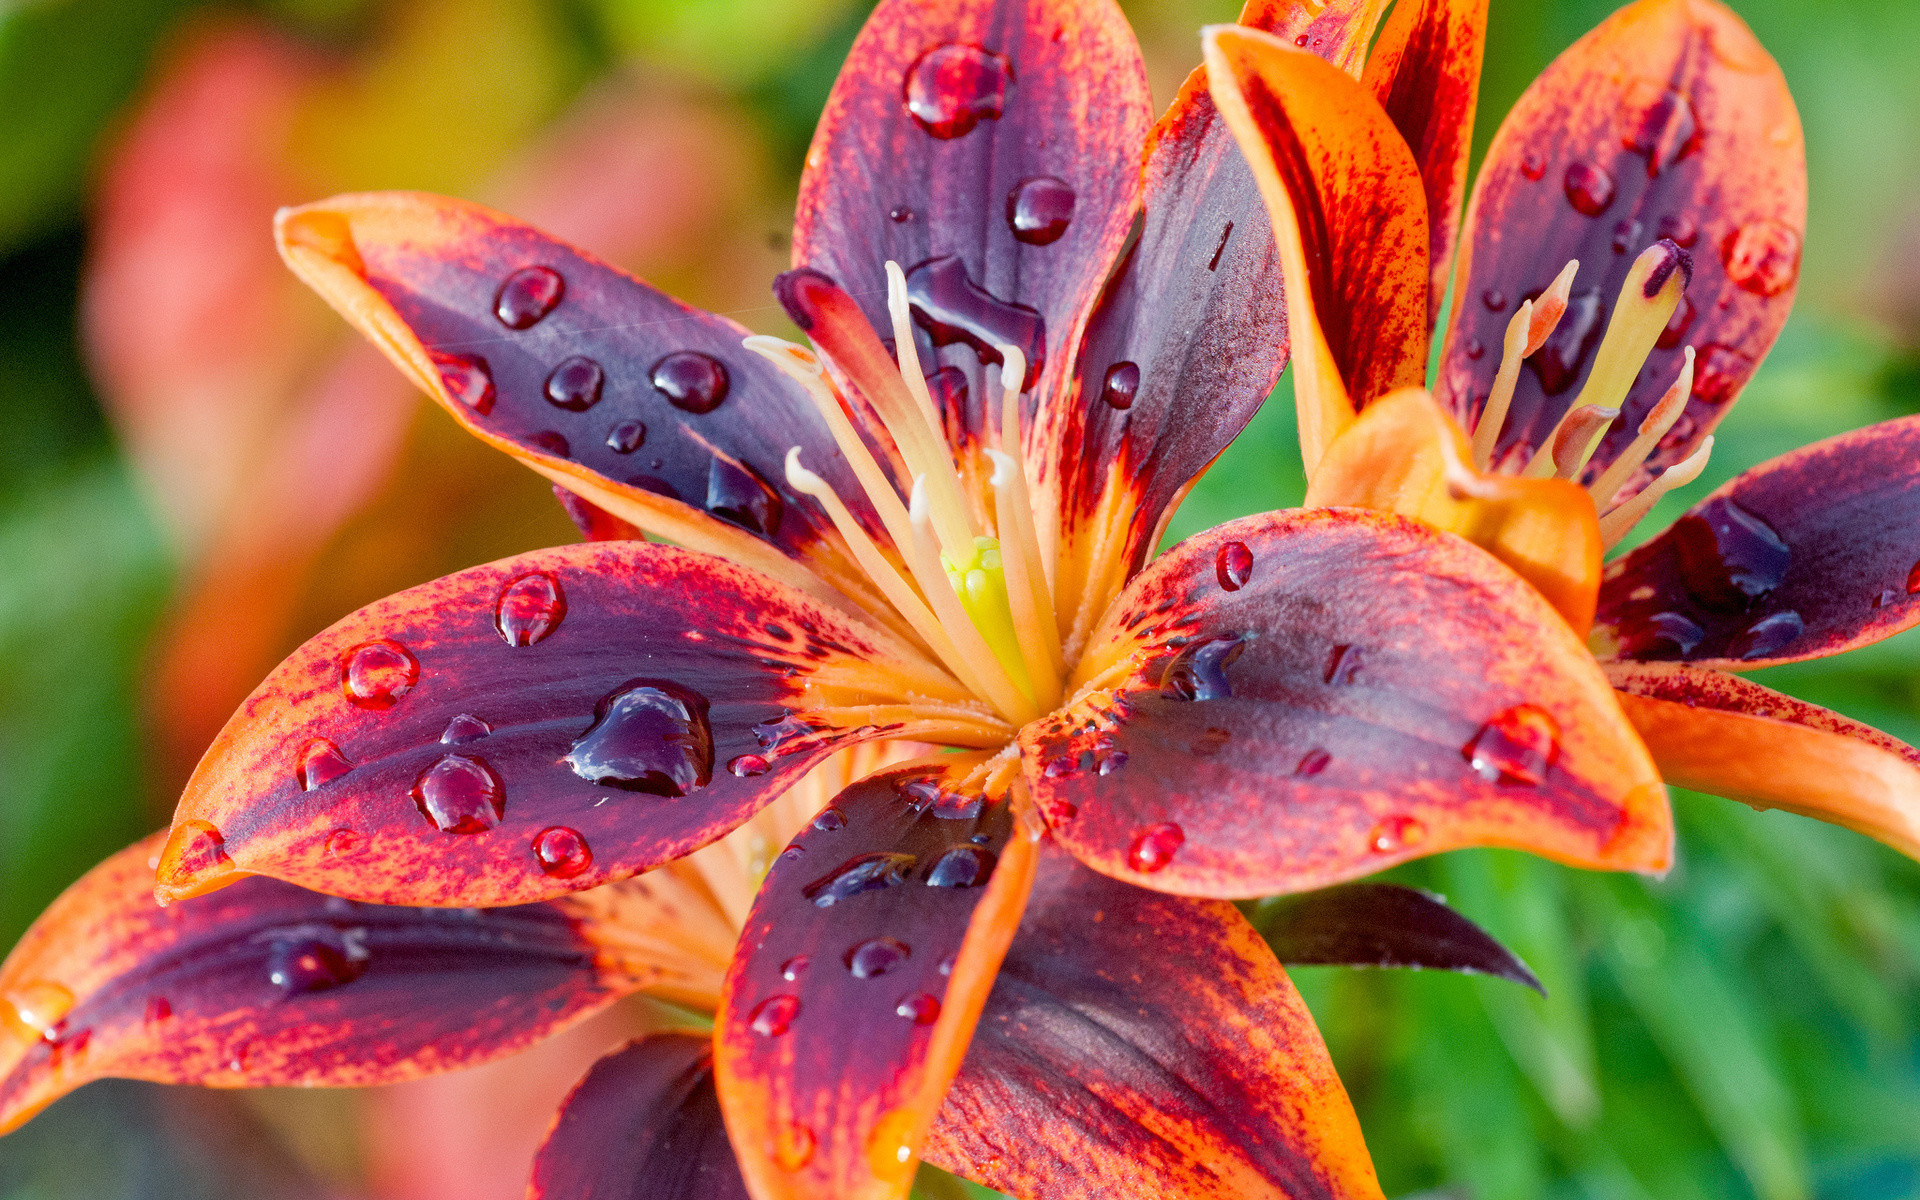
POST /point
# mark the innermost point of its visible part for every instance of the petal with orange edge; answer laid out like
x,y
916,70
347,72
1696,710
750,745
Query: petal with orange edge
x,y
1814,553
1724,735
1404,455
1349,216
648,408
1146,1047
1425,71
644,1122
533,727
988,147
1292,700
1192,329
266,983
1383,925
1667,121
858,980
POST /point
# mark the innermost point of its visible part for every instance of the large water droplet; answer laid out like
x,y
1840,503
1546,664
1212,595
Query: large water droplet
x,y
952,88
1763,257
1589,188
1718,373
1233,566
575,384
467,379
561,851
528,294
795,967
651,737
1728,556
829,820
1663,635
314,959
529,609
1121,385
627,436
693,382
1517,746
961,867
748,766
1154,847
774,1015
920,1008
36,1009
737,495
793,1146
1913,580
1039,210
460,794
876,956
377,674
1560,358
464,728
952,308
320,763
862,873
1663,124
1767,636
1199,670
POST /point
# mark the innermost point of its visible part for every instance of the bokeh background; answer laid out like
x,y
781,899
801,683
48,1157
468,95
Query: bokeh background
x,y
199,468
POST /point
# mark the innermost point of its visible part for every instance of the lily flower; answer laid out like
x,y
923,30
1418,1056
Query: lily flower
x,y
942,540
1633,245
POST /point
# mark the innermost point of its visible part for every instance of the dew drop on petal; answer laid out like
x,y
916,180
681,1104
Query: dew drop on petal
x,y
1534,165
889,1149
1767,636
195,850
313,960
691,381
561,851
1589,188
1154,847
1663,635
345,843
774,1015
1728,556
528,295
952,308
736,494
320,763
1680,229
35,1009
920,1008
1517,746
952,88
793,1146
746,766
460,793
900,214
1494,299
467,379
1718,373
648,737
159,1011
552,441
1664,129
829,820
877,956
626,437
1677,325
1199,670
1397,833
1313,762
575,384
529,609
1913,580
1343,665
1039,210
377,674
861,873
1560,359
464,728
795,967
1233,566
1763,257
962,867
1122,384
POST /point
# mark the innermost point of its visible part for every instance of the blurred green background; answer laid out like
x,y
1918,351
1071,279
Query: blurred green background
x,y
1747,1027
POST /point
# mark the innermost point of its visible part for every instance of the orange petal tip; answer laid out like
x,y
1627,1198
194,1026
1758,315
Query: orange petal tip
x,y
193,863
304,232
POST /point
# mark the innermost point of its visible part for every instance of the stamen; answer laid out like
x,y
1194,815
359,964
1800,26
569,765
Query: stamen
x,y
923,556
1659,419
1572,443
1617,523
949,507
1032,615
1550,307
1486,435
1647,300
1013,512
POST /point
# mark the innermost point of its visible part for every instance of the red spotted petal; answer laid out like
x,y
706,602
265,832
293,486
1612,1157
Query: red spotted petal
x,y
1668,121
858,980
1296,699
644,1122
1384,925
1811,554
529,728
266,983
990,147
1718,733
1146,1047
1190,335
631,400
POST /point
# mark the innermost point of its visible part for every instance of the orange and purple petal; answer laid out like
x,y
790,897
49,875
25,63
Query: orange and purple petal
x,y
1724,735
1384,925
266,983
644,1123
1814,553
528,728
858,979
1139,1046
1293,700
1668,121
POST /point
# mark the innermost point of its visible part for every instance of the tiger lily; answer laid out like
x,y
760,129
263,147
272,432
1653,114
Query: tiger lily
x,y
1633,246
944,541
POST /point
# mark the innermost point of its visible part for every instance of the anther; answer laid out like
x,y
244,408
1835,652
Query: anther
x,y
1647,300
1550,307
1578,437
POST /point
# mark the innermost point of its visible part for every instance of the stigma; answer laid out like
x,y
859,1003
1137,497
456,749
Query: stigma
x,y
956,553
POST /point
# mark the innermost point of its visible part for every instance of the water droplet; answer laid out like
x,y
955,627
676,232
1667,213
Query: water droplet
x,y
159,1010
1664,635
344,843
861,873
1534,165
1313,762
953,308
961,867
1154,847
196,850
1494,299
1913,580
552,441
1199,670
1397,833
1516,746
1039,210
1112,761
1626,235
529,609
1560,358
627,436
467,380
460,794
1474,350
1214,262
1343,665
314,959
773,735
920,1008
890,1148
1767,636
738,495
320,763
693,382
1663,124
952,88
36,1009
774,1015
1718,373
1763,257
1887,596
463,729
1677,325
575,384
829,820
900,215
377,674
1589,189
648,737
795,967
1728,556
1300,39
1680,229
528,295
793,1147
747,766
1121,385
876,956
562,852
1233,566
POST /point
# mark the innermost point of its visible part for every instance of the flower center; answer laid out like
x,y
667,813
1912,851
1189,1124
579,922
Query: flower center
x,y
1647,301
958,557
